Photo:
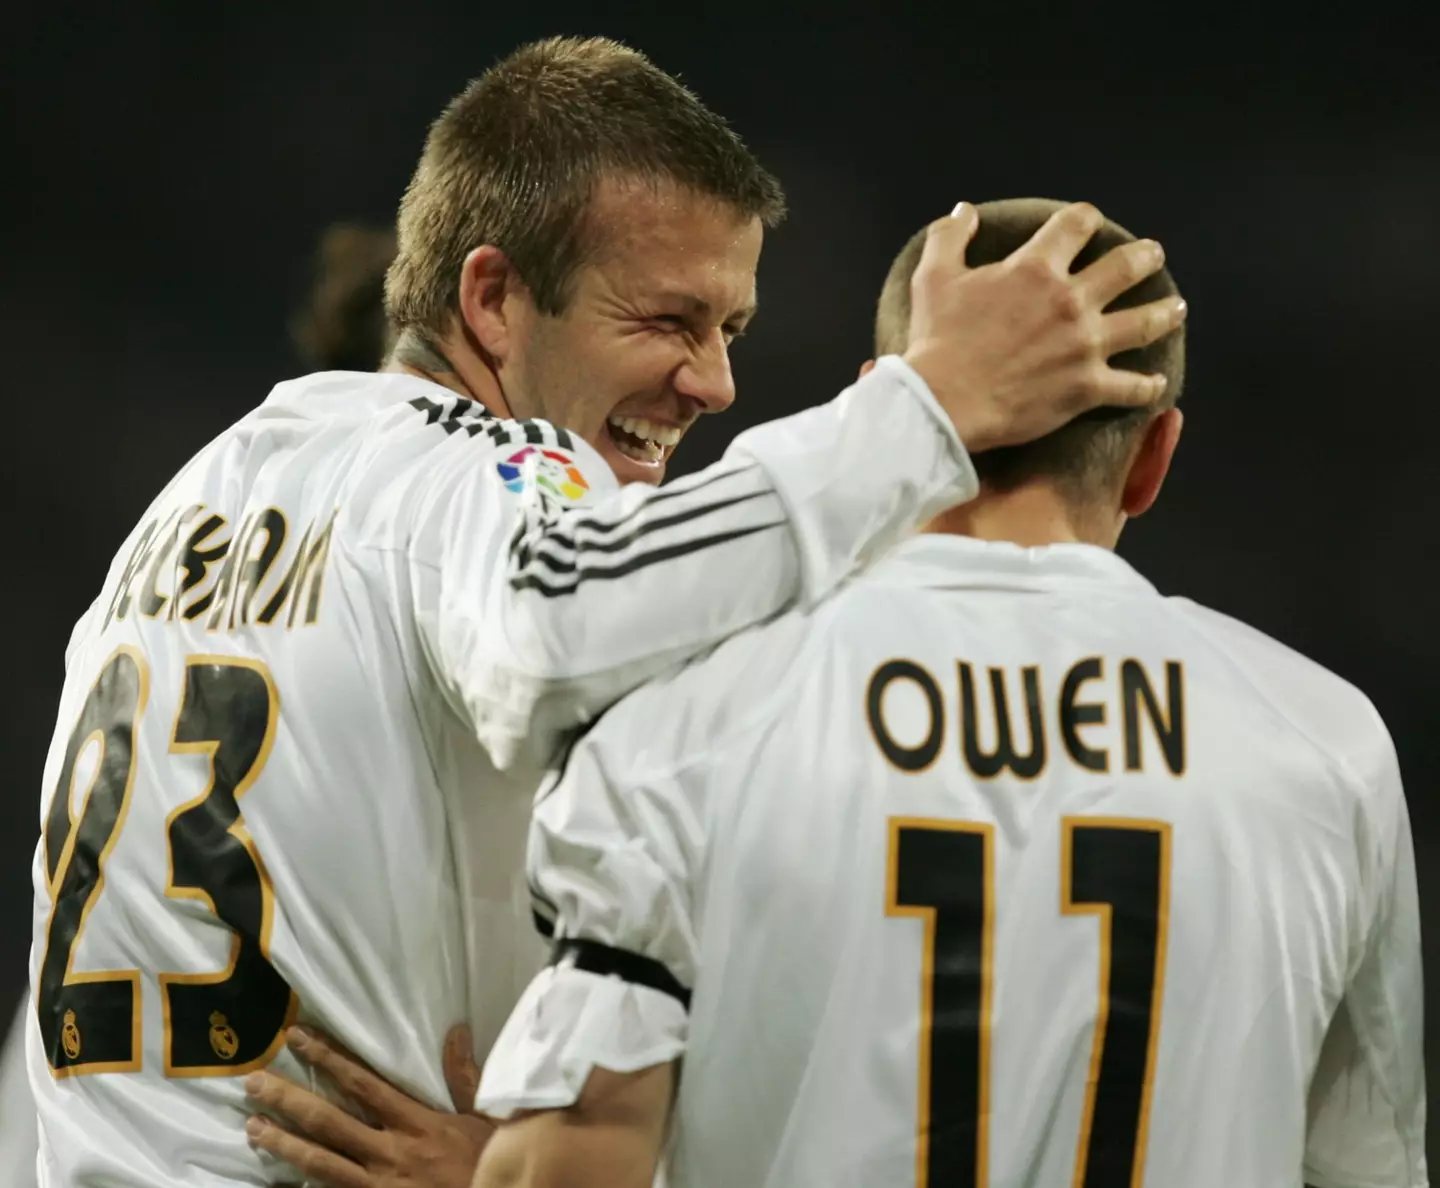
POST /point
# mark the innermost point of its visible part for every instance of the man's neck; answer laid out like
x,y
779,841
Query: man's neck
x,y
1031,516
417,353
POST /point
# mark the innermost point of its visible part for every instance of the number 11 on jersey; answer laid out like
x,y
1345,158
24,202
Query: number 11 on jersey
x,y
1115,869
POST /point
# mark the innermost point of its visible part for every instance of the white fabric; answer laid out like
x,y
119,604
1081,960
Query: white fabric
x,y
462,592
567,1022
18,1140
733,822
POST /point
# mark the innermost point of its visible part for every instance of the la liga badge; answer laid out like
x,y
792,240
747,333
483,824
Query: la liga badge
x,y
555,473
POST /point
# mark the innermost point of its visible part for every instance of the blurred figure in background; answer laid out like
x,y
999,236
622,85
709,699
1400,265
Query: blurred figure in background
x,y
341,326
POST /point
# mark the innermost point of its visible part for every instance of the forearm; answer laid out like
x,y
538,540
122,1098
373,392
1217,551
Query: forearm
x,y
610,1138
551,1151
593,602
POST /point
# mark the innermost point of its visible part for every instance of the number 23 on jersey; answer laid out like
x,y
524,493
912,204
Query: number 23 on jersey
x,y
215,1024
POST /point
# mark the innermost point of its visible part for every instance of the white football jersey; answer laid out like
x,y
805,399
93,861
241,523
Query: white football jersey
x,y
302,725
998,869
17,1109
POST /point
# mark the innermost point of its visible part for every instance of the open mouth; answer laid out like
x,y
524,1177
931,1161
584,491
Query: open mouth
x,y
641,440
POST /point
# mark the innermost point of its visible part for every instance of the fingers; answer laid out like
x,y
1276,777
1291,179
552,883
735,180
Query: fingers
x,y
462,1074
315,1162
1125,389
1065,232
1130,329
1120,269
948,238
313,1115
385,1103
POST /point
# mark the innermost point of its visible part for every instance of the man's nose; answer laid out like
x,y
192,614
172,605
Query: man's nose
x,y
705,376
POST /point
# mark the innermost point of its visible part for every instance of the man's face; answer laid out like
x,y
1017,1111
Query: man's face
x,y
642,348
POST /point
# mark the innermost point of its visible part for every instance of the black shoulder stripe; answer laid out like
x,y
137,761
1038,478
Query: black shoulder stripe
x,y
635,968
563,438
685,486
617,544
654,557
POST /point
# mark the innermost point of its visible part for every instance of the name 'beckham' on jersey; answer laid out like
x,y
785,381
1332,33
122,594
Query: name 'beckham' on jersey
x,y
303,722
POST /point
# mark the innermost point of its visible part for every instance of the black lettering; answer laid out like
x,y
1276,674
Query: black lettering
x,y
196,560
1074,715
910,759
120,599
287,583
225,583
1169,725
139,558
152,601
253,569
987,767
312,570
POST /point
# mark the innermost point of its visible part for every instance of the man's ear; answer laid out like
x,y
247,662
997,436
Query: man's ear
x,y
1152,462
489,288
866,368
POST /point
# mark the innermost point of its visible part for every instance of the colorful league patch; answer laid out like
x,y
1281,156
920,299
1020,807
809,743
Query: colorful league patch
x,y
555,473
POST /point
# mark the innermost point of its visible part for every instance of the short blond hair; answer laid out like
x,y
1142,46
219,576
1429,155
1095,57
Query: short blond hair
x,y
515,159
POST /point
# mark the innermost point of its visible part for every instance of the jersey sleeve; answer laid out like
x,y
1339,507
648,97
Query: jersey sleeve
x,y
551,591
1366,1125
612,862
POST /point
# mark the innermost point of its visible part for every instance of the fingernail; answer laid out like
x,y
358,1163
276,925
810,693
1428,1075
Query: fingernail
x,y
1157,252
298,1038
254,1127
959,210
254,1083
1181,310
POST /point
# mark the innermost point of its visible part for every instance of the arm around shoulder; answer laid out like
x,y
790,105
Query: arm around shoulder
x,y
545,592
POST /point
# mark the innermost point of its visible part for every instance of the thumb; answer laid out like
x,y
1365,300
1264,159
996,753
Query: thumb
x,y
462,1074
948,238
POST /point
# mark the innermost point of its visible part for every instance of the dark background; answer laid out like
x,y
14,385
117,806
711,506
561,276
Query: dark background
x,y
167,172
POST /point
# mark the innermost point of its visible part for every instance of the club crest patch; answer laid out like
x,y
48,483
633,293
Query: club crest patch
x,y
555,473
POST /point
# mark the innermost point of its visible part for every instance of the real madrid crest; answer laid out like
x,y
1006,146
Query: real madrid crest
x,y
223,1039
70,1036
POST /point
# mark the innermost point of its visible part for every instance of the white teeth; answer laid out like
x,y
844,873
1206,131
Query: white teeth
x,y
660,435
647,452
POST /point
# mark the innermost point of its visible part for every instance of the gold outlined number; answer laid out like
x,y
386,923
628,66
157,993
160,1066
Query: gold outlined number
x,y
215,1024
1116,869
90,1022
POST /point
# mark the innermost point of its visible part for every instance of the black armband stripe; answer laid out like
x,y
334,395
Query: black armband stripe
x,y
654,557
586,547
607,961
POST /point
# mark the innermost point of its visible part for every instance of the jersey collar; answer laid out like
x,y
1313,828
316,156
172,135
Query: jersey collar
x,y
945,561
347,394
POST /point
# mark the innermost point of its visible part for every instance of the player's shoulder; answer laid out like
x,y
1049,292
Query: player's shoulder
x,y
711,702
1331,712
411,454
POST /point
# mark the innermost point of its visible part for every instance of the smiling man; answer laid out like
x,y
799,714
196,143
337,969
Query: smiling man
x,y
303,720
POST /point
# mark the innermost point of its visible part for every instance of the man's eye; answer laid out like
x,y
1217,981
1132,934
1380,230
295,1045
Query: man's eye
x,y
671,322
732,333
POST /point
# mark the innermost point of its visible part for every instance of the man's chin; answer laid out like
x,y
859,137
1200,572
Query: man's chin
x,y
627,469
